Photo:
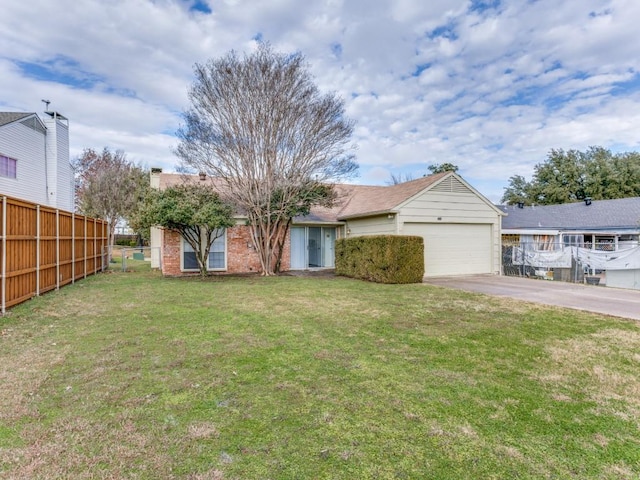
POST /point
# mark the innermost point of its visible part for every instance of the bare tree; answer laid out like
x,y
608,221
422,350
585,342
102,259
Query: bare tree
x,y
260,123
396,179
108,185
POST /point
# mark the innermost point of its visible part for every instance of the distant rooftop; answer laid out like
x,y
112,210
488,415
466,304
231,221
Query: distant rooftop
x,y
600,214
10,117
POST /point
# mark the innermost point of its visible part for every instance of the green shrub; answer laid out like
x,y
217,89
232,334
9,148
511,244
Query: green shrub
x,y
381,258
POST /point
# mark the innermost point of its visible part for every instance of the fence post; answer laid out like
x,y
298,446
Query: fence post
x,y
73,248
57,249
95,255
4,255
85,247
38,232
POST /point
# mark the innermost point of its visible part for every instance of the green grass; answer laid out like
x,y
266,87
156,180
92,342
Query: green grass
x,y
131,375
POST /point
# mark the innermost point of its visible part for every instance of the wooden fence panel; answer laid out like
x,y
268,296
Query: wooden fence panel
x,y
48,250
79,252
42,248
65,245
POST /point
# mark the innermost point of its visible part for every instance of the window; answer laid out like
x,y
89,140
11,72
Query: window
x,y
7,167
217,254
573,240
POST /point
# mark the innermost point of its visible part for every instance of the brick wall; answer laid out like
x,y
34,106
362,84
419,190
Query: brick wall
x,y
170,252
241,256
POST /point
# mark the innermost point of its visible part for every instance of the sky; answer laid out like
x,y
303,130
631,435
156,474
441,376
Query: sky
x,y
490,86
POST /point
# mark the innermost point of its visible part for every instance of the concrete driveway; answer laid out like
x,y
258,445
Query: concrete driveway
x,y
608,301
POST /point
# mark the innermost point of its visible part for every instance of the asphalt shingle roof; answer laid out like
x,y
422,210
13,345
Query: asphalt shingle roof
x,y
601,214
352,200
9,117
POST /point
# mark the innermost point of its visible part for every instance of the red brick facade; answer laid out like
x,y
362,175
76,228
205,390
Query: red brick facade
x,y
241,256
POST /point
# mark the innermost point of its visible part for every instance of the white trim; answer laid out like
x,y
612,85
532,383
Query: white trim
x,y
528,231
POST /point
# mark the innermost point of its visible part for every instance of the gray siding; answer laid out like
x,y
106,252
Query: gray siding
x,y
27,147
65,183
59,171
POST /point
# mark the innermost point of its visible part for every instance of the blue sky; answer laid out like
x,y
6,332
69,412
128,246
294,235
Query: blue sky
x,y
490,86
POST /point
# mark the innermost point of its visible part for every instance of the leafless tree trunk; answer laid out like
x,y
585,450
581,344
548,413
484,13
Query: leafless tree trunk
x,y
260,124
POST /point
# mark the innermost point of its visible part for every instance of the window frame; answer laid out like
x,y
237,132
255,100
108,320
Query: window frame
x,y
183,242
5,161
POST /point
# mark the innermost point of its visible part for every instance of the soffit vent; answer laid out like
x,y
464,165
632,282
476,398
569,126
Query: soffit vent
x,y
34,124
451,185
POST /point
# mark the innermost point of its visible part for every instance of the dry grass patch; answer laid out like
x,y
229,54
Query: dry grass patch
x,y
602,366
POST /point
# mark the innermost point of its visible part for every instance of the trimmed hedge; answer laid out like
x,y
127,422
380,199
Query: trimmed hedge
x,y
381,258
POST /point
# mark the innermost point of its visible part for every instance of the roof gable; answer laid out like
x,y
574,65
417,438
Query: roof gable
x,y
30,120
10,117
451,182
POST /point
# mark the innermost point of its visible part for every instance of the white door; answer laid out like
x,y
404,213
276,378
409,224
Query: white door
x,y
328,244
454,248
298,248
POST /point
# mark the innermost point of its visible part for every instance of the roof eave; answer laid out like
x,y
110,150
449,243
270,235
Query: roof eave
x,y
529,231
316,222
369,214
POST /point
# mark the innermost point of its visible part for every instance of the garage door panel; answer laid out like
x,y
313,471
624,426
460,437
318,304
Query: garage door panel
x,y
454,249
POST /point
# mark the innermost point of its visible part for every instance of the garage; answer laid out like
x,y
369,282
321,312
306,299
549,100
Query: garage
x,y
454,248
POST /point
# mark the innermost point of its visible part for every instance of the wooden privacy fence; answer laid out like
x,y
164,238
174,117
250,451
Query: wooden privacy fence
x,y
43,249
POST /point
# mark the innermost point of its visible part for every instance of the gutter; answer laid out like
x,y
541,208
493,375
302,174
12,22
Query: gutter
x,y
369,214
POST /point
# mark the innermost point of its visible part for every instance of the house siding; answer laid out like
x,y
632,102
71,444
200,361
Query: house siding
x,y
58,165
378,225
458,207
27,147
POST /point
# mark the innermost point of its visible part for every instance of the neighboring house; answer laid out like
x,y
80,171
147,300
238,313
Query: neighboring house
x,y
571,239
598,224
461,228
34,159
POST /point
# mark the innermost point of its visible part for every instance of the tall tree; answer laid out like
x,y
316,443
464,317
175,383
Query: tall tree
x,y
442,167
108,185
517,191
260,124
569,176
196,212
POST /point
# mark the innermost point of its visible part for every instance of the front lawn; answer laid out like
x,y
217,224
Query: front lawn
x,y
130,375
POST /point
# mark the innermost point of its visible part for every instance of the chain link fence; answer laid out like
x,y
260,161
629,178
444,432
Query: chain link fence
x,y
585,263
130,258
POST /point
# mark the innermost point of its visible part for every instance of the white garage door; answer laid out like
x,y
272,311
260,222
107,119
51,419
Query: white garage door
x,y
454,249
